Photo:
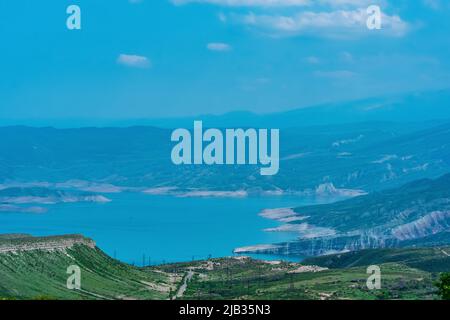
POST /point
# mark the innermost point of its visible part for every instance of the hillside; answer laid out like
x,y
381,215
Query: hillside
x,y
23,243
36,268
38,272
417,213
436,259
258,280
406,274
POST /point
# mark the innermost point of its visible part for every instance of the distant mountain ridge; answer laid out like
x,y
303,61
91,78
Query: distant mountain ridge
x,y
362,156
19,199
367,145
410,107
403,107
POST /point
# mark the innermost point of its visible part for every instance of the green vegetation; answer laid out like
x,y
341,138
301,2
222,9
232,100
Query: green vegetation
x,y
407,273
252,279
444,286
435,259
41,274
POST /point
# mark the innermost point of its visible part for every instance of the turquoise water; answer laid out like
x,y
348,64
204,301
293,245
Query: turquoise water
x,y
163,228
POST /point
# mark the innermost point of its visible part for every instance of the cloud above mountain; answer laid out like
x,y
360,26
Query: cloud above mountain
x,y
329,24
345,19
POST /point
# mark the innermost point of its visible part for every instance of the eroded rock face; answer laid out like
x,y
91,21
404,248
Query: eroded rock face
x,y
432,223
43,243
417,214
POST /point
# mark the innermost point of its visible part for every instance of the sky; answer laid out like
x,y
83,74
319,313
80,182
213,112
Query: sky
x,y
136,59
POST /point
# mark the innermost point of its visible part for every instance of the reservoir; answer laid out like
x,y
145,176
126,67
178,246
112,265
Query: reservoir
x,y
136,227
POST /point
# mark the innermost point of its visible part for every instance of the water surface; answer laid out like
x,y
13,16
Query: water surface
x,y
161,228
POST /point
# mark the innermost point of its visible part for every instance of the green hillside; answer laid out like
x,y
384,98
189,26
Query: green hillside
x,y
259,280
42,274
427,259
30,273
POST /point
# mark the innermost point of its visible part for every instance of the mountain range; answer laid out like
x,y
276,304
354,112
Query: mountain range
x,y
363,156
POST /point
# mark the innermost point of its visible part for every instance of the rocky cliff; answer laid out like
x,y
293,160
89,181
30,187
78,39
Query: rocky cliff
x,y
19,244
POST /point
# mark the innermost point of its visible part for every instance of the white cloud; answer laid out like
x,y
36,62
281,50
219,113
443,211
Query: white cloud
x,y
246,3
218,46
317,18
276,3
332,24
135,61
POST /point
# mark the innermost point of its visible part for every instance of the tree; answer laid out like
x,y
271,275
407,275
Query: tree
x,y
444,286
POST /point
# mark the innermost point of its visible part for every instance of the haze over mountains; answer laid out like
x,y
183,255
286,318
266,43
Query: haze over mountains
x,y
413,107
410,107
362,156
370,153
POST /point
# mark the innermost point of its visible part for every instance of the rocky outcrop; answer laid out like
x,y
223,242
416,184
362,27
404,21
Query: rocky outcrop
x,y
323,245
14,245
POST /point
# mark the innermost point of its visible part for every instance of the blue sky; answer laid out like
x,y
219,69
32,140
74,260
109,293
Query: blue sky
x,y
161,58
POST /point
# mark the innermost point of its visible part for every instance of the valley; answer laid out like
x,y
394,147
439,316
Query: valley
x,y
358,183
41,274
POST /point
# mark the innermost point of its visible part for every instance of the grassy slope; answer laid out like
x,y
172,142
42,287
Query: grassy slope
x,y
427,259
252,279
37,273
406,274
